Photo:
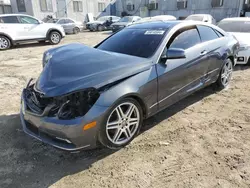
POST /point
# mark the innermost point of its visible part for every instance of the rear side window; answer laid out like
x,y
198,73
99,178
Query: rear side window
x,y
185,39
68,21
207,33
9,19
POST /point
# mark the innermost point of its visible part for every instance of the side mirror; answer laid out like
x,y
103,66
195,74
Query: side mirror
x,y
175,53
40,22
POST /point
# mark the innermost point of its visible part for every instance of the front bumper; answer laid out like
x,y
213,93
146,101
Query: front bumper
x,y
243,57
63,134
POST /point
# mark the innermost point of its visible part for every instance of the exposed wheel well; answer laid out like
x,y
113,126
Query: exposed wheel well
x,y
232,59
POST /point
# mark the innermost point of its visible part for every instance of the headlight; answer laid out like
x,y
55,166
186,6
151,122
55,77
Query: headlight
x,y
46,57
75,104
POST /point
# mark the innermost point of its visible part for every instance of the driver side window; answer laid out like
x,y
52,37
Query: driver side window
x,y
185,39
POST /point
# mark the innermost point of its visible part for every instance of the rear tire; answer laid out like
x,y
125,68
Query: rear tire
x,y
225,74
55,37
121,124
4,43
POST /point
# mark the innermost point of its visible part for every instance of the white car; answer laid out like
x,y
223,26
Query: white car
x,y
202,17
19,28
240,29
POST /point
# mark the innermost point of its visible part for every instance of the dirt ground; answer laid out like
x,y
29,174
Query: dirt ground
x,y
203,141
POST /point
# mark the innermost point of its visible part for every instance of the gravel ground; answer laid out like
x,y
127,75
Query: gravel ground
x,y
202,141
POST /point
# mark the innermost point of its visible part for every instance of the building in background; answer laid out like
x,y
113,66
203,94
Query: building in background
x,y
75,9
5,7
219,9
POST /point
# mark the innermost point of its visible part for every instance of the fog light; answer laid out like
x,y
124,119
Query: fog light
x,y
89,126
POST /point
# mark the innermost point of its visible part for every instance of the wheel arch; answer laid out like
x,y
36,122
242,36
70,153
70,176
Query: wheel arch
x,y
8,36
51,30
231,57
142,103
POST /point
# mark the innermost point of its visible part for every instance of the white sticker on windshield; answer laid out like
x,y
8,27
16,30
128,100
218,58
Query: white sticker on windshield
x,y
154,32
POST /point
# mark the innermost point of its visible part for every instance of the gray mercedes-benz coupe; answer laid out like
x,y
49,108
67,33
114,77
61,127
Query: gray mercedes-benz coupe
x,y
85,96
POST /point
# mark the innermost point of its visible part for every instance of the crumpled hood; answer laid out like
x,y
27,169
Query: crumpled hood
x,y
76,66
243,38
96,22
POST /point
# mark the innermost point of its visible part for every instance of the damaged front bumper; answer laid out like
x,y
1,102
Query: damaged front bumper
x,y
63,134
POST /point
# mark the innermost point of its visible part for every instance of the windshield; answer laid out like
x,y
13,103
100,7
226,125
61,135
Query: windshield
x,y
139,42
126,19
195,18
104,18
235,26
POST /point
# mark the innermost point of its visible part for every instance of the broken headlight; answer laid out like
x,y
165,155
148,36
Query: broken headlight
x,y
75,104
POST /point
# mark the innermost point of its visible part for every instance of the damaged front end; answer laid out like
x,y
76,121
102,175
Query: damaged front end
x,y
65,107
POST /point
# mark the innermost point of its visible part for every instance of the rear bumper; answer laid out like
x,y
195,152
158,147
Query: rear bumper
x,y
63,134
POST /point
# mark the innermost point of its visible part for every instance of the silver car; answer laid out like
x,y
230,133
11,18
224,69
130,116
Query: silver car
x,y
70,26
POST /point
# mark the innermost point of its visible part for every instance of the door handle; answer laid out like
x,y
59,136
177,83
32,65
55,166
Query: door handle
x,y
26,27
204,52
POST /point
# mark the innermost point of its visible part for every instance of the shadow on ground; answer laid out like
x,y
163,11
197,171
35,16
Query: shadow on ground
x,y
241,67
25,162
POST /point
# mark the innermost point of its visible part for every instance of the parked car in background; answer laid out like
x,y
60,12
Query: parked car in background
x,y
240,28
101,23
124,22
155,18
70,26
202,17
158,64
19,28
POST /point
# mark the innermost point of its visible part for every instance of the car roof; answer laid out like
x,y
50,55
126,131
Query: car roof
x,y
3,15
200,15
237,19
155,25
163,25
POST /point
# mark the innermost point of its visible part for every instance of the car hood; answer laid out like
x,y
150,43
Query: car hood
x,y
120,23
243,38
96,22
76,66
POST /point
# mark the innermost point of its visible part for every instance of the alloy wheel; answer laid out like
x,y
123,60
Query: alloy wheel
x,y
4,43
55,38
123,123
227,73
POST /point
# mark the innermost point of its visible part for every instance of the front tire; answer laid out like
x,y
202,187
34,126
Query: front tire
x,y
55,37
225,74
4,43
100,28
122,124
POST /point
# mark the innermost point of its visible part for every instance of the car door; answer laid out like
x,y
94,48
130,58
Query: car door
x,y
10,25
31,28
212,44
68,25
178,78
